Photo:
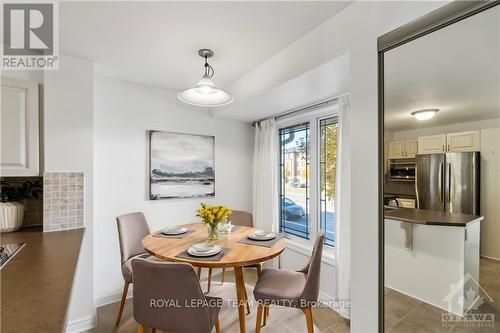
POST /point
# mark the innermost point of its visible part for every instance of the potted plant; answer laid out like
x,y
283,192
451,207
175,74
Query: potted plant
x,y
212,216
11,203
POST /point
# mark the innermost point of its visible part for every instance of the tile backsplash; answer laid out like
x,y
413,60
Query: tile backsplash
x,y
63,205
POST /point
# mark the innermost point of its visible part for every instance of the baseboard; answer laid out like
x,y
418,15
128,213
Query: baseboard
x,y
492,258
329,300
81,324
113,297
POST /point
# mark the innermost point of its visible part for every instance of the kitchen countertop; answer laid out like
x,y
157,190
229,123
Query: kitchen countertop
x,y
36,284
431,217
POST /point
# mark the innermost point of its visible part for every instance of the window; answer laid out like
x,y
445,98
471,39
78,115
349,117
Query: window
x,y
308,173
328,174
294,193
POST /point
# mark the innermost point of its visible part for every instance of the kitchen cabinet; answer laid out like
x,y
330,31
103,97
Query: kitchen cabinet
x,y
403,149
463,141
433,144
19,125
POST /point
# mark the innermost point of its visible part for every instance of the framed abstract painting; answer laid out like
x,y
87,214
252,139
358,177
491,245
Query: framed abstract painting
x,y
181,165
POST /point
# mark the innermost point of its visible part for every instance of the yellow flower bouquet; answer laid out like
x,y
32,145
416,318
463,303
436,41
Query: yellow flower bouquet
x,y
212,216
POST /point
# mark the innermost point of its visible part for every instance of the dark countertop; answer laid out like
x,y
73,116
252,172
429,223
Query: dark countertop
x,y
430,217
36,284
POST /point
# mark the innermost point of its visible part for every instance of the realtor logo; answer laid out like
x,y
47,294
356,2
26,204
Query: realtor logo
x,y
29,36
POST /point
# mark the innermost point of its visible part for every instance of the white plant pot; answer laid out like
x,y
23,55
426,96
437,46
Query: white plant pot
x,y
11,216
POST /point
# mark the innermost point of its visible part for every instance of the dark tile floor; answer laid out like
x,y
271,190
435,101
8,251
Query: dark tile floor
x,y
404,314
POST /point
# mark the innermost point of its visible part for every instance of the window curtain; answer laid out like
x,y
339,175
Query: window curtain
x,y
265,176
343,225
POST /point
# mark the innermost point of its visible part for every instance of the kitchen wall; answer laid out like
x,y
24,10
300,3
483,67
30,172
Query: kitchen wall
x,y
68,147
123,114
354,31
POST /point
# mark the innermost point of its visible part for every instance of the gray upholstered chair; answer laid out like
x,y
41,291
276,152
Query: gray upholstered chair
x,y
292,289
168,296
132,228
240,218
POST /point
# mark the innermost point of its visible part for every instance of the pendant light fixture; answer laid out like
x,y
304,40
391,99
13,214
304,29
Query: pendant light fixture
x,y
205,93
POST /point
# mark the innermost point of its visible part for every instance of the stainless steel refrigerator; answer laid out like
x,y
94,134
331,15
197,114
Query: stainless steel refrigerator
x,y
448,182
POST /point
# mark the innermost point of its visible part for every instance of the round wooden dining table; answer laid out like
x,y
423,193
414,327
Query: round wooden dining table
x,y
239,256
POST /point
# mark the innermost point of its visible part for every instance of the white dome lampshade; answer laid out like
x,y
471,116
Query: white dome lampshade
x,y
205,93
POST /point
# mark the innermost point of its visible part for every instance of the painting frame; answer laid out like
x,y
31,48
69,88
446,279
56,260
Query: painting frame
x,y
153,178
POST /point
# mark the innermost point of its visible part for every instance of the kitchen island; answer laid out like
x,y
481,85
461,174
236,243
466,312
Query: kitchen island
x,y
431,255
36,284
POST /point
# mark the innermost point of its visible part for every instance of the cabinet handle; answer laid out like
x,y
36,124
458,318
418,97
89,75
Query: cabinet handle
x,y
443,147
448,147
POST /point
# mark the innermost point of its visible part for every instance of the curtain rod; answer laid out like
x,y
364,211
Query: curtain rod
x,y
309,107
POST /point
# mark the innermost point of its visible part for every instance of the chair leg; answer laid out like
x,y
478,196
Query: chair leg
x,y
122,303
246,300
259,318
140,328
223,273
199,273
217,326
266,314
259,270
309,320
153,330
209,279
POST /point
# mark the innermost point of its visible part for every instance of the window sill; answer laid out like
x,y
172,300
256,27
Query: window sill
x,y
328,252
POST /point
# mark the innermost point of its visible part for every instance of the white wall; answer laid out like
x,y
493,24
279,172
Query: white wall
x,y
68,147
354,30
123,114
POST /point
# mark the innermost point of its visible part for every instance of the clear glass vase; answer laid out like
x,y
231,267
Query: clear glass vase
x,y
213,233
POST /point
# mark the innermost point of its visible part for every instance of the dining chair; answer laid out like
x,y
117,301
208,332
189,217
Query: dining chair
x,y
298,289
242,218
168,296
132,228
245,219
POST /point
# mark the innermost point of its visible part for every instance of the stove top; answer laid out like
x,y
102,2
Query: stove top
x,y
8,251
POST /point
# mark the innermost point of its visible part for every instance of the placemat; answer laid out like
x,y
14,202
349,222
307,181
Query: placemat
x,y
216,257
159,234
265,243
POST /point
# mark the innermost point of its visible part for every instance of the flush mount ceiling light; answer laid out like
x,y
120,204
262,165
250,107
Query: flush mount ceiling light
x,y
424,114
205,93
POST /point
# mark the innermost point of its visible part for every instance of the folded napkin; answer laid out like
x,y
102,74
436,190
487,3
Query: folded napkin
x,y
216,257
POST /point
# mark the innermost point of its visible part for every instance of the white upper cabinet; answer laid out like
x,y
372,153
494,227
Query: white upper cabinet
x,y
433,144
403,149
19,128
463,141
396,149
411,148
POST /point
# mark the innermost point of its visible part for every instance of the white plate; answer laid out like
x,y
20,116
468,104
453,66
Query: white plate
x,y
216,249
174,231
269,236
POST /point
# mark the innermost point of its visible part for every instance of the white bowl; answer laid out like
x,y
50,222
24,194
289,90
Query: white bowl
x,y
203,247
261,233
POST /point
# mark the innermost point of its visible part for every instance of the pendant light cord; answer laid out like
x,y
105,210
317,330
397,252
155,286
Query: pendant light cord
x,y
209,70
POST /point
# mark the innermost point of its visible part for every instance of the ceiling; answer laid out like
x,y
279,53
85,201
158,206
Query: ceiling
x,y
156,43
456,69
329,80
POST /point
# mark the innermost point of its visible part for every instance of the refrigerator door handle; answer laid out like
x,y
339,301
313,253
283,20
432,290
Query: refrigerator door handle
x,y
449,183
440,181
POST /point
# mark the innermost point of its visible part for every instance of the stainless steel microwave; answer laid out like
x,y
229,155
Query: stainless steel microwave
x,y
402,170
